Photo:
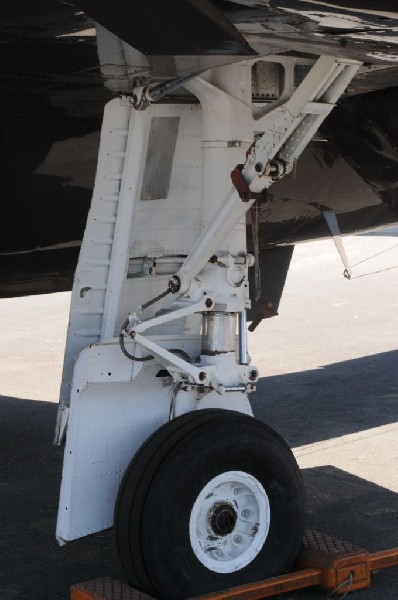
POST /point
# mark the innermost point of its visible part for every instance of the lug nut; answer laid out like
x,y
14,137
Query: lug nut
x,y
237,539
244,513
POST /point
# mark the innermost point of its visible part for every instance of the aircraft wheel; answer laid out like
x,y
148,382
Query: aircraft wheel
x,y
213,499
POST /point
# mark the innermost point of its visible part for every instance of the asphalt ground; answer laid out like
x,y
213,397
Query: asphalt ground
x,y
329,385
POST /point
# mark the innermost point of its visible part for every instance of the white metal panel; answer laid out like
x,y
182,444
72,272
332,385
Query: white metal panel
x,y
108,422
172,224
168,226
116,403
120,225
130,190
91,277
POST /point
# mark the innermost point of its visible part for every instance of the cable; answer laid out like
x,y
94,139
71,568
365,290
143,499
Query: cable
x,y
125,351
174,285
123,329
185,356
157,92
174,392
374,255
347,582
155,299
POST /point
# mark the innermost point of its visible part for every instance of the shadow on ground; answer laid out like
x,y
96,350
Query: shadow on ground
x,y
332,401
33,566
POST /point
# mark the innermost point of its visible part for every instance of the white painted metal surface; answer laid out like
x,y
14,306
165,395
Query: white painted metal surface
x,y
107,424
120,227
285,130
116,403
91,276
163,198
229,522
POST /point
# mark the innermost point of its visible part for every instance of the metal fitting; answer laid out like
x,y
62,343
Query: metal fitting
x,y
174,284
275,169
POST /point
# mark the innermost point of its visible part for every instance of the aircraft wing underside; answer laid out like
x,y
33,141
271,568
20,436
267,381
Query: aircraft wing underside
x,y
55,82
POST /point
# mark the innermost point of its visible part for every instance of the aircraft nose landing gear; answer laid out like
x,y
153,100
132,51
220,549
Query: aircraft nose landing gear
x,y
212,498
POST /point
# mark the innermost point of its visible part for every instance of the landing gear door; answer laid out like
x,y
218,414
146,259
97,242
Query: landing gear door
x,y
144,219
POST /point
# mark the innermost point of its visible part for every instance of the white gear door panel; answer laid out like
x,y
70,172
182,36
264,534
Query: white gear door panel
x,y
146,205
110,417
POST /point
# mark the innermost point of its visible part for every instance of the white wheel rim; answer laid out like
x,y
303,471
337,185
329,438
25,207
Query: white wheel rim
x,y
229,522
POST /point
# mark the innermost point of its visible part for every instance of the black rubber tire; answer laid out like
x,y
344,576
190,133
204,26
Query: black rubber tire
x,y
163,481
133,490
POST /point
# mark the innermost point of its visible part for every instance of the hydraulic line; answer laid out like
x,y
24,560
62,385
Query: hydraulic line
x,y
123,329
173,284
124,349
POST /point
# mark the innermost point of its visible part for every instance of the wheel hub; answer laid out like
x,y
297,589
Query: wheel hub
x,y
223,519
229,522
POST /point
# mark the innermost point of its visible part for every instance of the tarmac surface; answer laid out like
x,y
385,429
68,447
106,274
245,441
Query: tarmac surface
x,y
329,385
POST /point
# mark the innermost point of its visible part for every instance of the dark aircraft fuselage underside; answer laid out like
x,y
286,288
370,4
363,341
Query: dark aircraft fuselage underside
x,y
52,94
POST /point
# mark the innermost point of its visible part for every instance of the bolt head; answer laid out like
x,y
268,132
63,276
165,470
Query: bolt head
x,y
174,284
253,375
244,513
209,303
237,539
